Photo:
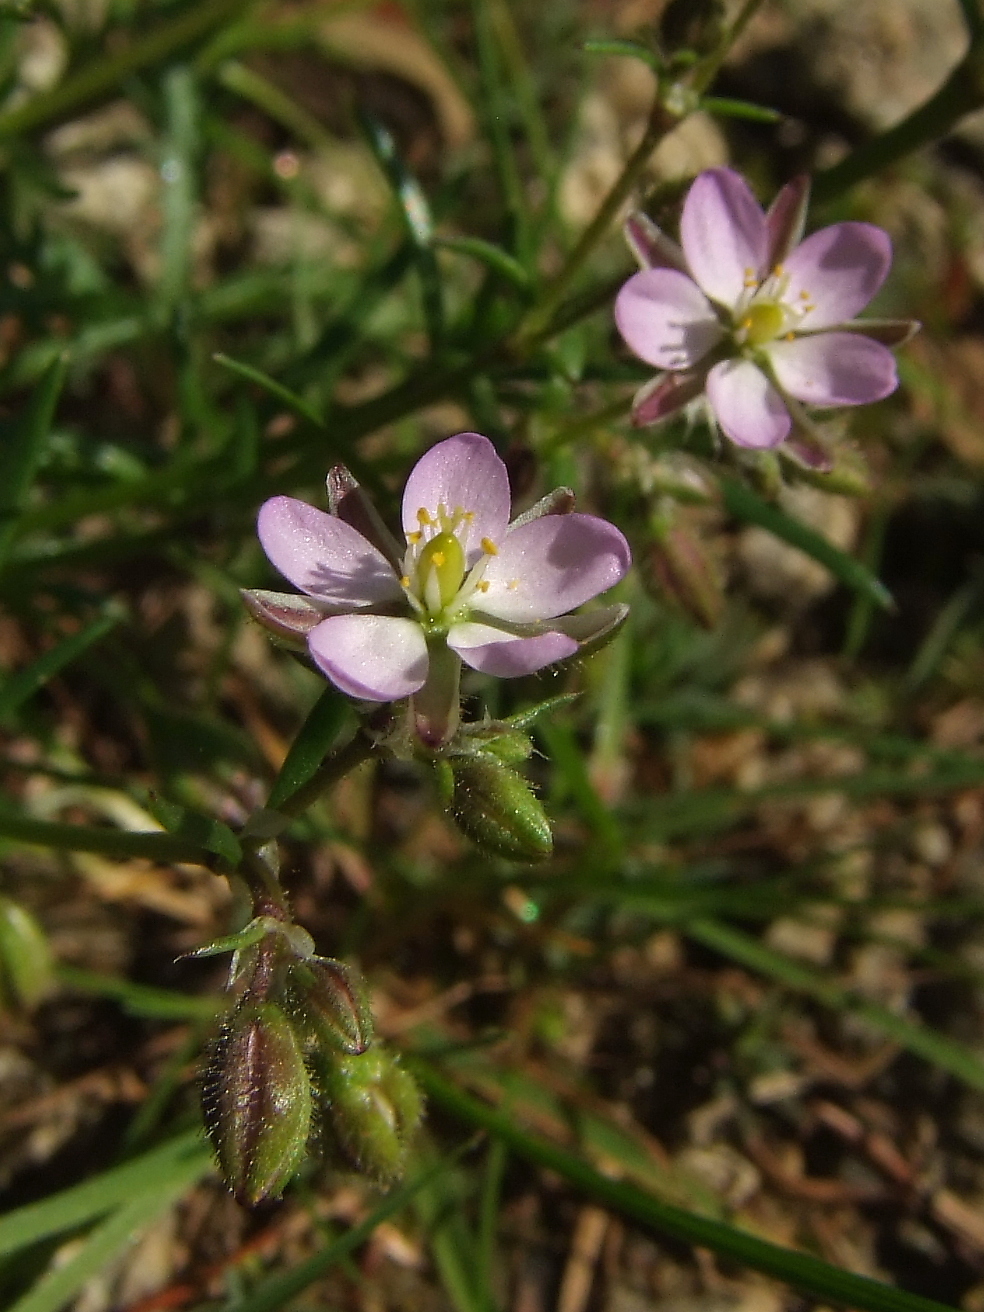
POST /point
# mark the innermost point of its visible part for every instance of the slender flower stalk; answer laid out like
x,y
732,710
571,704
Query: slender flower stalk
x,y
387,621
759,321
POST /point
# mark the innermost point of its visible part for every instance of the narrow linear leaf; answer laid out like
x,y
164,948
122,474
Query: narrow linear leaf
x,y
493,257
747,506
909,1034
725,108
207,833
141,999
314,741
270,385
808,1274
20,687
21,452
101,77
182,1158
62,1282
155,846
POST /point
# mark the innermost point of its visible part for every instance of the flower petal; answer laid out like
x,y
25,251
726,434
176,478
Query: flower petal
x,y
379,658
551,565
503,654
461,472
664,395
834,369
666,319
724,236
890,332
324,556
837,271
746,405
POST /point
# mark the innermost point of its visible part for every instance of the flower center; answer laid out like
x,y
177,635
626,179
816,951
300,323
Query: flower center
x,y
762,322
436,579
441,569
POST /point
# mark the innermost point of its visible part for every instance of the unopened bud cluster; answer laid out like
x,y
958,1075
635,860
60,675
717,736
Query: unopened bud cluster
x,y
296,1064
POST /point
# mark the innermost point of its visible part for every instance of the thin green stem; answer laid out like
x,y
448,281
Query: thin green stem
x,y
707,70
329,772
661,121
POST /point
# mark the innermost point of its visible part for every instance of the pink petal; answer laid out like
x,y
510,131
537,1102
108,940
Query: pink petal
x,y
786,218
834,369
287,614
746,405
666,319
724,236
461,472
664,395
551,565
650,244
324,556
379,658
503,654
837,270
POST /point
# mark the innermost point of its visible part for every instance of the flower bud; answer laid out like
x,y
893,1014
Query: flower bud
x,y
374,1106
331,997
496,809
257,1101
681,568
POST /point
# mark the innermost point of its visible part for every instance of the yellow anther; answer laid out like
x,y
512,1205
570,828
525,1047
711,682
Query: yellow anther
x,y
424,516
483,586
489,547
414,538
512,585
804,296
746,323
790,337
405,581
468,516
778,271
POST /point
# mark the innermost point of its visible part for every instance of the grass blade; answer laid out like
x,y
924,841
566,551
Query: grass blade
x,y
270,385
20,687
808,1274
750,508
184,1158
912,1035
21,454
153,845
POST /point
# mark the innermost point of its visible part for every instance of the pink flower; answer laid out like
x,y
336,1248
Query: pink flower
x,y
761,322
385,621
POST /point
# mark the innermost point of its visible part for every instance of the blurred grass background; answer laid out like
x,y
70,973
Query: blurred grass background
x,y
241,242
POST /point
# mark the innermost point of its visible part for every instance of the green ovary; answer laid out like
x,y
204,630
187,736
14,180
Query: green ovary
x,y
762,322
444,556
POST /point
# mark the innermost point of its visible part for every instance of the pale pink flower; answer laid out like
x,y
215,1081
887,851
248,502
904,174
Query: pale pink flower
x,y
385,621
759,321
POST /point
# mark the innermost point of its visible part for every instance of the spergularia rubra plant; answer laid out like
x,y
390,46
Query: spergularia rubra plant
x,y
387,621
759,321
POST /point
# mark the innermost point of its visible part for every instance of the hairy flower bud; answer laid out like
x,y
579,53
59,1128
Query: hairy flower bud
x,y
331,997
257,1101
496,809
374,1106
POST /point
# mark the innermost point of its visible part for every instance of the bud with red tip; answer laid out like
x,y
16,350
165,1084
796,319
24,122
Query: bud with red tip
x,y
257,1101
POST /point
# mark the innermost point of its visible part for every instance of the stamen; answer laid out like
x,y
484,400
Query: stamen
x,y
804,296
790,337
405,581
468,516
778,271
512,585
489,547
424,517
483,586
414,537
